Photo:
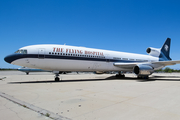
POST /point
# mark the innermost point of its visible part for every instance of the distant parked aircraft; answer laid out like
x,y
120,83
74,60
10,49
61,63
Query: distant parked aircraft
x,y
28,70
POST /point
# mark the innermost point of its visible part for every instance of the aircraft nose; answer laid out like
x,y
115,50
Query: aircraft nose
x,y
9,58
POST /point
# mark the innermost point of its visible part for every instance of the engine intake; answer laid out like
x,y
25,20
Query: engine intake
x,y
153,51
143,70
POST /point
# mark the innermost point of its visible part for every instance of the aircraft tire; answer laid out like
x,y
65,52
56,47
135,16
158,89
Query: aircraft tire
x,y
143,77
120,76
56,79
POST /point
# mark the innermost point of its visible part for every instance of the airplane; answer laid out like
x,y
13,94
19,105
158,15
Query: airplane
x,y
57,58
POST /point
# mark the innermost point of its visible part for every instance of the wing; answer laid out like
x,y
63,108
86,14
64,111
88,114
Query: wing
x,y
159,63
126,66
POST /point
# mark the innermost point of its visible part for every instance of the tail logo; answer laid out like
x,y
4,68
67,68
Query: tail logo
x,y
166,48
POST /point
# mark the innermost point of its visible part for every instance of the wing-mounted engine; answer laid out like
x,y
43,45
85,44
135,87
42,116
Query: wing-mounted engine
x,y
153,51
143,70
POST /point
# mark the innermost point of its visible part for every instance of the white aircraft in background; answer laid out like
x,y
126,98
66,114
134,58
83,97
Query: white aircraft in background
x,y
28,70
70,58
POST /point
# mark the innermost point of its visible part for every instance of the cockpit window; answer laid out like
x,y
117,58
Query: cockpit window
x,y
25,51
21,51
17,51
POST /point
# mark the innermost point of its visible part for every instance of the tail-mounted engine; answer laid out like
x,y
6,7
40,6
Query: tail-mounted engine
x,y
153,51
143,70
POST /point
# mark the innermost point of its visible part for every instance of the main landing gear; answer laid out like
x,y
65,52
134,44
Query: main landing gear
x,y
120,75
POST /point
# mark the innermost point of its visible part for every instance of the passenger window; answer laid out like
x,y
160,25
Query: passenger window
x,y
125,59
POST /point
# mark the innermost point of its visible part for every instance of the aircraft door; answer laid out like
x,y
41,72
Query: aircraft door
x,y
41,54
108,61
107,58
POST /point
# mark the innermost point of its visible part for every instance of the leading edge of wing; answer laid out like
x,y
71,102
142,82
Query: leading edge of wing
x,y
125,64
163,63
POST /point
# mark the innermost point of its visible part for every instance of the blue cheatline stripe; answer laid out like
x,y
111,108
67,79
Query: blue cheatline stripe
x,y
13,57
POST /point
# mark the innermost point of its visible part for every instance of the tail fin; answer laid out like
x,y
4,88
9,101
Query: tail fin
x,y
165,50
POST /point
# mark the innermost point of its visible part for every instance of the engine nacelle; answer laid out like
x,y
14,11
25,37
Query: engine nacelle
x,y
153,51
143,70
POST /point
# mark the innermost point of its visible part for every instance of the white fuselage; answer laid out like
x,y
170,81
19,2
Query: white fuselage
x,y
70,58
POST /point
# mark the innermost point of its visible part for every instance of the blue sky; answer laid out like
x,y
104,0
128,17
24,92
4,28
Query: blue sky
x,y
120,25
